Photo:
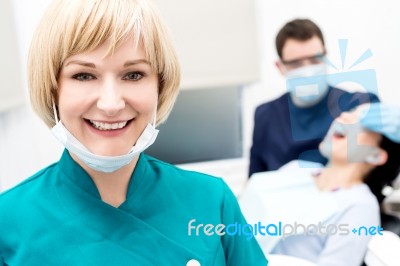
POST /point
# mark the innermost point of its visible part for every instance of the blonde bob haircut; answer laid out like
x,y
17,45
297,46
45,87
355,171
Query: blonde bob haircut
x,y
70,27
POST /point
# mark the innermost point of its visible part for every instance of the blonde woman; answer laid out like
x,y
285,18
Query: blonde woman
x,y
102,75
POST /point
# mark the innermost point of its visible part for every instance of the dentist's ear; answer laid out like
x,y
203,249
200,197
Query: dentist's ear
x,y
377,158
279,65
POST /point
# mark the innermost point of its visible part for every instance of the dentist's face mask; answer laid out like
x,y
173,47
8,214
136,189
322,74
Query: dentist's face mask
x,y
355,152
100,163
307,85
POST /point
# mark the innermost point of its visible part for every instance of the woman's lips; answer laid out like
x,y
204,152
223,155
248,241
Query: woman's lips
x,y
108,128
108,125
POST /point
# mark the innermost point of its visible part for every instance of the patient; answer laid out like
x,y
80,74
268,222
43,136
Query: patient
x,y
336,198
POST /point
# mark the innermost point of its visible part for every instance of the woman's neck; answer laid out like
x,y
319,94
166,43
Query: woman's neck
x,y
337,176
112,187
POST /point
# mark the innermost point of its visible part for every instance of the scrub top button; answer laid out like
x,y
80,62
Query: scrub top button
x,y
193,263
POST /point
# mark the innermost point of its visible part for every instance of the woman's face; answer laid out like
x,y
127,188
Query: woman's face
x,y
106,102
347,141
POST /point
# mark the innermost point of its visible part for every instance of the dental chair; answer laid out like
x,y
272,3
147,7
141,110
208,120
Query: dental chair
x,y
390,223
383,250
389,201
391,212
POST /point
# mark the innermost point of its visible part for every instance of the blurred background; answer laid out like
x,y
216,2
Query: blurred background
x,y
227,52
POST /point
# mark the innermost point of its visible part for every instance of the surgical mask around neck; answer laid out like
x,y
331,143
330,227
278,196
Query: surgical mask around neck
x,y
106,164
307,85
356,153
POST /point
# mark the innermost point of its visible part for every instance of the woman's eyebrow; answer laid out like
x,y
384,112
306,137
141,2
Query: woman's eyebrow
x,y
91,65
82,63
135,62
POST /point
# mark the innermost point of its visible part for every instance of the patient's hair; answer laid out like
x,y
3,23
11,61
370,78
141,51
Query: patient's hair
x,y
384,174
298,29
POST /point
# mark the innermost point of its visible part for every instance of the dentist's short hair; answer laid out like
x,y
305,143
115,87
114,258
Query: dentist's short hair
x,y
70,27
297,29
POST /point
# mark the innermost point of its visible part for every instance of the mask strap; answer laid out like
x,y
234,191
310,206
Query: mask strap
x,y
155,120
54,110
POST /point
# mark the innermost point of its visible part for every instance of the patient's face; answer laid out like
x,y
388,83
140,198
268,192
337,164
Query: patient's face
x,y
347,141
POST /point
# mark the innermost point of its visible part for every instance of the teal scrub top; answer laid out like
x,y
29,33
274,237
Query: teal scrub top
x,y
57,217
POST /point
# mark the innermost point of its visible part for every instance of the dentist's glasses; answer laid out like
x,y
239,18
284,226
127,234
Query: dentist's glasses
x,y
304,61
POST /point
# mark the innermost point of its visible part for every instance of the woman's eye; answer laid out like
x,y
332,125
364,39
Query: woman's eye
x,y
83,76
133,76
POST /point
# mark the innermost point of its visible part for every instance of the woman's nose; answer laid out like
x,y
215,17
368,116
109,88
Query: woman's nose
x,y
110,100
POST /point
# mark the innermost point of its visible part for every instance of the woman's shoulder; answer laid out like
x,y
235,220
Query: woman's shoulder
x,y
357,195
17,205
358,203
13,195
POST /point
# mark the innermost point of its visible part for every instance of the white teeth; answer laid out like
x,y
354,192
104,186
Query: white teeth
x,y
108,126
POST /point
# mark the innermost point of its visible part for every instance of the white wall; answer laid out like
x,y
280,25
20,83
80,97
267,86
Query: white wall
x,y
11,95
216,45
26,144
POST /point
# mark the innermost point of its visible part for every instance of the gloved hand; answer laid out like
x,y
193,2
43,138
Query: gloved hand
x,y
382,118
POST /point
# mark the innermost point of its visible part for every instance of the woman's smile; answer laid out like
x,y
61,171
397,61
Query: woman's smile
x,y
109,129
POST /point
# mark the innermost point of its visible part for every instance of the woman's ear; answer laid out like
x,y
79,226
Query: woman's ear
x,y
377,158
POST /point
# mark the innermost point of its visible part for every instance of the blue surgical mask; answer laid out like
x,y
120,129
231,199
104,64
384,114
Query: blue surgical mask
x,y
106,164
307,85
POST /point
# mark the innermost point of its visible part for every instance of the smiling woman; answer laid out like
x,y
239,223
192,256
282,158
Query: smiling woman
x,y
106,102
102,75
